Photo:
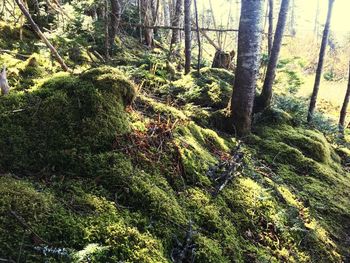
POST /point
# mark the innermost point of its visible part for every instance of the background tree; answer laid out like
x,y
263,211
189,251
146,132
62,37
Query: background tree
x,y
264,99
313,99
148,22
270,30
115,20
188,36
176,18
248,62
344,107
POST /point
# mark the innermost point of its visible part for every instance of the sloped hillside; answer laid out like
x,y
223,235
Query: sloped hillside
x,y
88,178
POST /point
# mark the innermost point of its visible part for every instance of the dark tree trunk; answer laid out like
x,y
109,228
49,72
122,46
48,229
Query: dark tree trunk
x,y
264,99
198,38
188,36
320,63
41,35
176,18
115,20
248,62
345,107
270,32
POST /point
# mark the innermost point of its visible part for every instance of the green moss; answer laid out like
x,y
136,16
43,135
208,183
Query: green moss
x,y
63,118
213,88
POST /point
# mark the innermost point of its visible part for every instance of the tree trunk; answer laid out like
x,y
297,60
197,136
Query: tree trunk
x,y
270,32
188,36
223,59
175,38
292,19
248,62
198,38
264,99
146,11
41,35
316,25
115,20
345,107
320,63
106,24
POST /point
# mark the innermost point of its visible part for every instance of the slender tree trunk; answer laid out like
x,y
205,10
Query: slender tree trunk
x,y
107,38
41,35
198,38
188,36
175,38
292,19
115,20
270,32
320,63
316,25
264,99
248,62
345,107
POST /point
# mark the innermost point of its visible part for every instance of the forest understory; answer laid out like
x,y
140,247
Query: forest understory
x,y
130,160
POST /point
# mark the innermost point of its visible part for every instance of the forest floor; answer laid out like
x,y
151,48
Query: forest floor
x,y
132,162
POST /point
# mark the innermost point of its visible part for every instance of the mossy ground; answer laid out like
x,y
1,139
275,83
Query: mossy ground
x,y
88,175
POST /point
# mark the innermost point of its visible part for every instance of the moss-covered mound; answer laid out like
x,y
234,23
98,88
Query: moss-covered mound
x,y
212,88
66,117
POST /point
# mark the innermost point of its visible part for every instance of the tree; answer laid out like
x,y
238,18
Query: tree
x,y
188,36
248,62
198,37
147,15
270,32
345,107
115,20
264,99
176,18
41,35
325,37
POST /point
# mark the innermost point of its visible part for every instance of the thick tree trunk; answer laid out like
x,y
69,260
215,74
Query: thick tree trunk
x,y
270,32
115,20
320,63
264,99
41,35
248,62
176,18
345,107
188,36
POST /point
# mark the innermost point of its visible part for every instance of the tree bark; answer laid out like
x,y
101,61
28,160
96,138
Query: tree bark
x,y
345,107
146,11
106,24
41,35
270,32
248,62
264,100
320,63
115,20
175,38
188,36
198,38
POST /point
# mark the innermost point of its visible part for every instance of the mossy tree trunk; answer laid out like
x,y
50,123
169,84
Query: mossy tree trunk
x,y
264,100
41,35
345,107
248,62
325,37
188,36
